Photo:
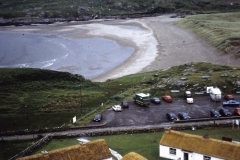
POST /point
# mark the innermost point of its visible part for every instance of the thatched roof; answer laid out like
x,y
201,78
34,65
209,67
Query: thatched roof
x,y
94,150
133,156
199,144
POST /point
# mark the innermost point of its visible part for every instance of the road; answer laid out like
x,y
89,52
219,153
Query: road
x,y
88,132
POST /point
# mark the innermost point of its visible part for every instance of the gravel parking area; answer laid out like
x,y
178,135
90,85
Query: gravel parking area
x,y
155,114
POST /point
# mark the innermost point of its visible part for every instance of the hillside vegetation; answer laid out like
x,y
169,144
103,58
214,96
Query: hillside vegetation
x,y
220,30
53,98
87,8
44,98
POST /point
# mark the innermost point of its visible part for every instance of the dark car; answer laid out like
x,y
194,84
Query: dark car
x,y
224,112
155,100
171,116
188,97
214,113
231,103
187,94
183,116
228,97
97,118
124,104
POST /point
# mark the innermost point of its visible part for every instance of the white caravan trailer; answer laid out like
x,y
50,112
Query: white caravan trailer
x,y
214,93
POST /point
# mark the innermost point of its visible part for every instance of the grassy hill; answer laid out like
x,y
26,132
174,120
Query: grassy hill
x,y
53,98
44,98
220,30
89,8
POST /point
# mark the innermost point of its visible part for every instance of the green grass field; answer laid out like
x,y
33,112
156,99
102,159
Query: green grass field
x,y
9,149
145,144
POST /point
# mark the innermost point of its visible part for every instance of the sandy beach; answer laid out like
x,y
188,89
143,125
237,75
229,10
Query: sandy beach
x,y
175,46
129,32
158,44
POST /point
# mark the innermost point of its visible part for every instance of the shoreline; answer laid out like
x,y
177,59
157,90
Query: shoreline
x,y
158,42
145,44
127,33
175,46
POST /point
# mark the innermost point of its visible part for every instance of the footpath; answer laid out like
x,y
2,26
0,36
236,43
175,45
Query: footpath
x,y
127,129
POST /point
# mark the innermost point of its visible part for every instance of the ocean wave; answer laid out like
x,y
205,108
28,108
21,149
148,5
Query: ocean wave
x,y
48,63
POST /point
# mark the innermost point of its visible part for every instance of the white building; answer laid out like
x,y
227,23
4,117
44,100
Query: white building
x,y
182,146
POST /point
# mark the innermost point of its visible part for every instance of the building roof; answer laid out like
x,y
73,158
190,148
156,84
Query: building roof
x,y
93,150
133,156
143,94
199,144
188,92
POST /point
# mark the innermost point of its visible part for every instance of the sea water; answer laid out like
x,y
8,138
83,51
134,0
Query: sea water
x,y
89,57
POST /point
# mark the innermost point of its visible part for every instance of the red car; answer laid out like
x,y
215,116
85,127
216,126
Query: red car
x,y
237,111
228,97
167,98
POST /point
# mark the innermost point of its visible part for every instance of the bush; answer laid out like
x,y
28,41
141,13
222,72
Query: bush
x,y
117,97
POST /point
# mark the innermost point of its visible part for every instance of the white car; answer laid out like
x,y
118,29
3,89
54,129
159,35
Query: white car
x,y
189,100
188,96
117,108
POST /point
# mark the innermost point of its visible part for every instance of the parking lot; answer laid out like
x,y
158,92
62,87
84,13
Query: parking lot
x,y
155,114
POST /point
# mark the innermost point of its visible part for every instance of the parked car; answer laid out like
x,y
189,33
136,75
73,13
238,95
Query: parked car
x,y
231,103
228,97
167,98
214,113
97,118
171,116
237,111
224,112
188,96
155,100
124,104
117,108
183,116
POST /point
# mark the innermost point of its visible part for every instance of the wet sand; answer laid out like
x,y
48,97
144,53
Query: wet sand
x,y
158,43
